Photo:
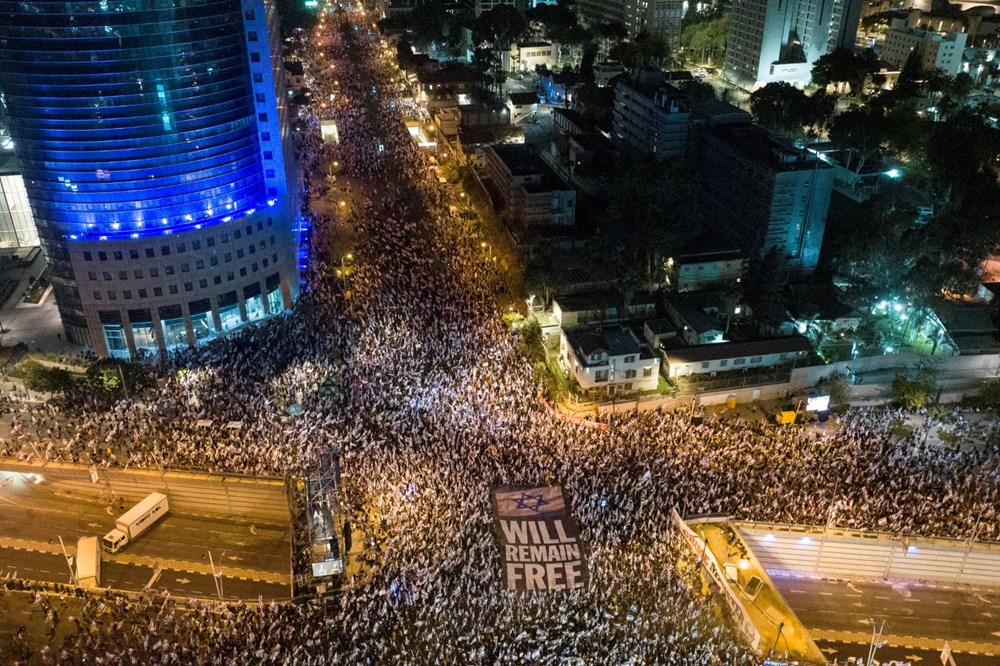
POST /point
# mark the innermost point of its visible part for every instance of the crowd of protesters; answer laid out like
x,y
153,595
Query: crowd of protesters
x,y
403,366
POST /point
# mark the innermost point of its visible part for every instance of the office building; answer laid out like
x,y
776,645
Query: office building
x,y
152,142
651,116
779,40
936,50
762,193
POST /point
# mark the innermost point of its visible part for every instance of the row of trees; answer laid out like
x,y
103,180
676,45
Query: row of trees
x,y
105,378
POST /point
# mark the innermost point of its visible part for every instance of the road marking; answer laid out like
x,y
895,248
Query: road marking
x,y
798,591
827,594
883,598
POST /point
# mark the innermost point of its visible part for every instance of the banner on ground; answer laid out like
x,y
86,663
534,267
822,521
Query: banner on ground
x,y
539,540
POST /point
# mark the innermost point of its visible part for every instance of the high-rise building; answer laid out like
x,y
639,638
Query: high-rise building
x,y
151,138
779,40
763,193
650,115
656,18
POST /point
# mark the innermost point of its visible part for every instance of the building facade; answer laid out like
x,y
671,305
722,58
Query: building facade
x,y
651,117
660,19
764,193
17,228
528,56
152,141
528,188
936,50
657,18
779,40
608,361
735,356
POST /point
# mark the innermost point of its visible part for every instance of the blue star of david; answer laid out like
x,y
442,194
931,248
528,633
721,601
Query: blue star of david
x,y
532,502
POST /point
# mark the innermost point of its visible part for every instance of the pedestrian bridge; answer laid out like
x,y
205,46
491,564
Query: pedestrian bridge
x,y
845,553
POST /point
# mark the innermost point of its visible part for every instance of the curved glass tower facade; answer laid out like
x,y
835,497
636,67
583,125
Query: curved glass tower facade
x,y
135,120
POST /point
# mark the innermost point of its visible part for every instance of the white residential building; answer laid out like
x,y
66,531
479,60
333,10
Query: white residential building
x,y
530,55
608,361
712,359
937,50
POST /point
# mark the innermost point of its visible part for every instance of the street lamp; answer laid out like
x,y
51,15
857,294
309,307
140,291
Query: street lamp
x,y
876,643
488,246
217,576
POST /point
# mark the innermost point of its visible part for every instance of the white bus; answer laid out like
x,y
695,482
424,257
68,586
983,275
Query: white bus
x,y
135,521
88,562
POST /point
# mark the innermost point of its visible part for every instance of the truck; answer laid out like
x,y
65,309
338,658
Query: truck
x,y
135,521
88,562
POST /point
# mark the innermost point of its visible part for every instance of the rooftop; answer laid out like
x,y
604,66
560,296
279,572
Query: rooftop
x,y
519,159
708,256
614,341
661,327
593,142
574,117
757,145
294,68
585,301
794,344
441,76
818,300
522,98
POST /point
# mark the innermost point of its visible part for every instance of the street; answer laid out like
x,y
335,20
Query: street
x,y
890,655
916,615
52,567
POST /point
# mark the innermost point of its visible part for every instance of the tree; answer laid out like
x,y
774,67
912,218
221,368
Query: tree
x,y
105,377
962,153
767,278
913,393
45,379
698,89
787,110
653,205
706,38
643,50
862,131
843,66
498,27
839,388
427,23
989,395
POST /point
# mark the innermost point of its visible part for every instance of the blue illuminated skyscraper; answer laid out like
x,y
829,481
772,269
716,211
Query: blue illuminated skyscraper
x,y
152,140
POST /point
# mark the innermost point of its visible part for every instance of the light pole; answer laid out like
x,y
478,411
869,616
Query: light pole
x,y
876,643
72,574
216,576
488,247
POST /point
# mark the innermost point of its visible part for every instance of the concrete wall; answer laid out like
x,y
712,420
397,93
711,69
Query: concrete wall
x,y
855,554
955,375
